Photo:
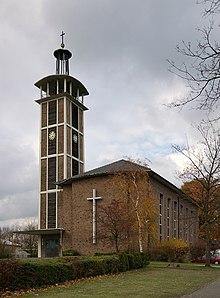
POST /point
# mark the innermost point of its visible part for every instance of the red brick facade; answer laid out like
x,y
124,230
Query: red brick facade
x,y
177,215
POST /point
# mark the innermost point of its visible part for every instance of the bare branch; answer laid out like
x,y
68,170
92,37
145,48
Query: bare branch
x,y
213,8
201,72
202,178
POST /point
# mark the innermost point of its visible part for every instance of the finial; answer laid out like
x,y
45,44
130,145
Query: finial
x,y
62,43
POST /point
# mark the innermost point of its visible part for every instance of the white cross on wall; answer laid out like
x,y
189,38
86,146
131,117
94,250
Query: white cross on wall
x,y
93,199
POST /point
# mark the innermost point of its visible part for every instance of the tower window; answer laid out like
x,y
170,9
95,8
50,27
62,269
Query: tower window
x,y
75,116
52,112
51,210
75,144
51,172
75,167
52,143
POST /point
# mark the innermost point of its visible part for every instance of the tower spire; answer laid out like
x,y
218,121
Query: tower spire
x,y
62,58
62,37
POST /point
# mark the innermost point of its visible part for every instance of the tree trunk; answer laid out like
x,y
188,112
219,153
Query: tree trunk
x,y
139,232
207,238
140,242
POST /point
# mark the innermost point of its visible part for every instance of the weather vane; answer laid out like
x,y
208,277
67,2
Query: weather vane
x,y
62,36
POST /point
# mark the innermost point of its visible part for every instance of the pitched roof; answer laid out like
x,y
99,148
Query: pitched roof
x,y
117,166
124,166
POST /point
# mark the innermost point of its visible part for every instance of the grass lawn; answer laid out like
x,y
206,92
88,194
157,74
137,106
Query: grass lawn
x,y
157,280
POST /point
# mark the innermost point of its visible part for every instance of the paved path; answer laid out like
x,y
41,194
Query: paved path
x,y
212,290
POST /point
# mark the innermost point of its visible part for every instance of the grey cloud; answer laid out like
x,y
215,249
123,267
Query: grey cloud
x,y
19,170
119,50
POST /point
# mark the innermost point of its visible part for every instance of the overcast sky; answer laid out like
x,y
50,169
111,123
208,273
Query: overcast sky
x,y
119,51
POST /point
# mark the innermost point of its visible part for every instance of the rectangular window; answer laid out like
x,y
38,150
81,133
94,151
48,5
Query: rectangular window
x,y
75,167
175,220
186,224
161,215
52,140
181,222
168,217
191,226
51,210
51,172
75,116
75,144
44,114
52,112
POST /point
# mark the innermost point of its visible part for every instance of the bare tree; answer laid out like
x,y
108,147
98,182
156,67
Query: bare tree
x,y
203,166
6,235
28,242
201,72
115,224
201,68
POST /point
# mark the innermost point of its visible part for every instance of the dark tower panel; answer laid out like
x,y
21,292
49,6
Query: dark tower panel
x,y
43,209
51,172
52,140
60,110
75,116
52,112
75,167
44,114
51,210
75,144
60,139
44,142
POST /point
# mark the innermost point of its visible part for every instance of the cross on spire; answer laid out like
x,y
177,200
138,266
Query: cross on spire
x,y
62,37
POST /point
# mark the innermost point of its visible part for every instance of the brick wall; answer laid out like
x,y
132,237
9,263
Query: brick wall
x,y
76,212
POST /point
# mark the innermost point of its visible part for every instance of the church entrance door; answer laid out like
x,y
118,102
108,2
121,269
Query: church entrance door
x,y
51,248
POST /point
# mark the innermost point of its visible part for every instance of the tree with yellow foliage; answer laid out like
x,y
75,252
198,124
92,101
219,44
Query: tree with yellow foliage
x,y
202,170
138,217
196,190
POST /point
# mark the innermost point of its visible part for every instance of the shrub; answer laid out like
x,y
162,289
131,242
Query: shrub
x,y
197,250
145,259
124,261
97,265
70,252
172,250
175,249
9,270
133,260
157,254
16,275
5,251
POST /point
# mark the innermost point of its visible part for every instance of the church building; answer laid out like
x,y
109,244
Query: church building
x,y
70,198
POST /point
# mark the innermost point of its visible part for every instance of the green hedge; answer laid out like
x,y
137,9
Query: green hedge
x,y
129,261
70,253
17,275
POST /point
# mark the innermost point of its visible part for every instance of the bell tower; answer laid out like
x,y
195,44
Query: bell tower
x,y
61,136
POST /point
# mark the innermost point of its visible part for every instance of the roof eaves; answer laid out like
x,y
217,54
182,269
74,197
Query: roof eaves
x,y
80,177
172,186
